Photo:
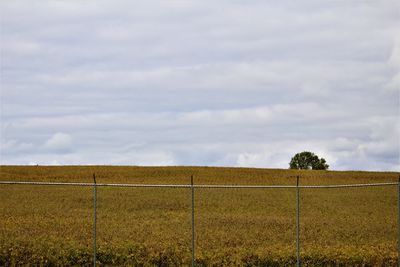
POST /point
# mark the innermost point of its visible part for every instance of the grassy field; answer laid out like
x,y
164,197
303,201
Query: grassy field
x,y
49,225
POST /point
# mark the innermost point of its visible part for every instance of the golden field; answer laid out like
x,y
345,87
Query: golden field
x,y
52,225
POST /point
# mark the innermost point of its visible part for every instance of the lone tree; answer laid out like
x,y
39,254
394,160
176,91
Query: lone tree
x,y
307,160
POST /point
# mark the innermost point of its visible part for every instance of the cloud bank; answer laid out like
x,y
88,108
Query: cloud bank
x,y
233,83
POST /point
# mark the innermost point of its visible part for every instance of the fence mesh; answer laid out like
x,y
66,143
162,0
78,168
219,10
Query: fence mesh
x,y
37,222
234,225
360,223
239,225
152,225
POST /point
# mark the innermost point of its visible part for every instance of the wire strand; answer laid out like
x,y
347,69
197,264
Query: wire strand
x,y
195,186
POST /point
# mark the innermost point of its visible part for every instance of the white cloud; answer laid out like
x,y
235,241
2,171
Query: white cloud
x,y
394,62
53,163
59,142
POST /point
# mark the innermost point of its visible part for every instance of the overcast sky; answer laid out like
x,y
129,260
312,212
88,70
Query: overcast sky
x,y
221,83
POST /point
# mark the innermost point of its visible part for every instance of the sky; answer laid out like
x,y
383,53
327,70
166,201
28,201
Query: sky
x,y
217,83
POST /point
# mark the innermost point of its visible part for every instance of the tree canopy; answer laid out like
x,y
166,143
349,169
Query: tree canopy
x,y
308,160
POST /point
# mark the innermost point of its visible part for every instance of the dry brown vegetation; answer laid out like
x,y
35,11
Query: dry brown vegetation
x,y
52,225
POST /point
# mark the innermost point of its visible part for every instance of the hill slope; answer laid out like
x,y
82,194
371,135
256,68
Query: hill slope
x,y
152,226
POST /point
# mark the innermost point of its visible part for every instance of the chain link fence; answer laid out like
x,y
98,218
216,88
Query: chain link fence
x,y
194,199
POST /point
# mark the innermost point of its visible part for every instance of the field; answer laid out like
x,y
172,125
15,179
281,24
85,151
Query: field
x,y
52,225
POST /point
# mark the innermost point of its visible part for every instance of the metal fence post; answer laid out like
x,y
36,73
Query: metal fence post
x,y
94,218
193,229
298,222
398,222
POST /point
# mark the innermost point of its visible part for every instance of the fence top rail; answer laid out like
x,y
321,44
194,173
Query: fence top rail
x,y
195,186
